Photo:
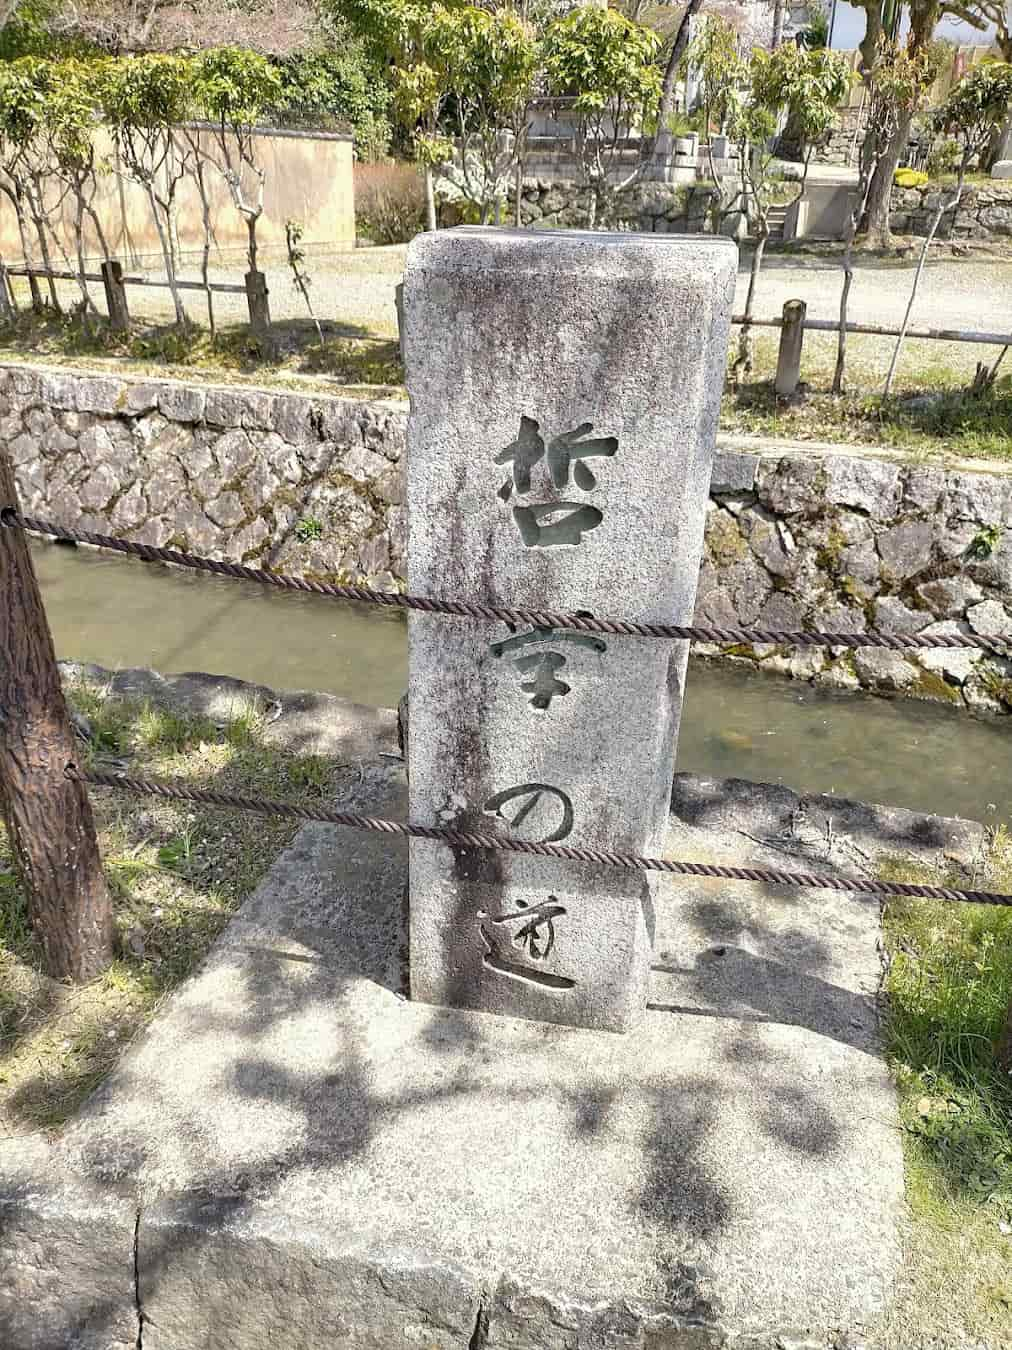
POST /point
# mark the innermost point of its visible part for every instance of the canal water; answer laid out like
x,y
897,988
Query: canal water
x,y
119,612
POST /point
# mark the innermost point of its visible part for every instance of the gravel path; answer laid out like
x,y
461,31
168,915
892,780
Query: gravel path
x,y
355,291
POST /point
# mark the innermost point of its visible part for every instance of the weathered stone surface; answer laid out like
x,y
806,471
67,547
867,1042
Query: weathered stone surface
x,y
733,472
954,663
226,510
791,486
164,485
193,529
883,669
142,398
239,408
362,465
906,548
892,615
182,402
99,394
864,484
949,598
822,556
66,1257
131,508
250,539
58,390
235,454
617,522
95,442
98,489
22,449
989,617
294,420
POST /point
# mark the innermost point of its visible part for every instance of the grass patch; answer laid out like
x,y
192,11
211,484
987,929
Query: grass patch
x,y
176,871
929,413
949,985
354,359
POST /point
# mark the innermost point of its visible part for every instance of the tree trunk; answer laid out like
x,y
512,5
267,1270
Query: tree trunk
x,y
170,266
778,24
518,192
48,815
743,362
881,189
667,102
205,253
430,200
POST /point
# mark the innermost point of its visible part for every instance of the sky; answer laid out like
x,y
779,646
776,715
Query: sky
x,y
848,29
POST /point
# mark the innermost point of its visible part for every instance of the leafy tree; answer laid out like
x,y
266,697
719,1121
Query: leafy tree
x,y
68,134
490,62
344,84
922,49
898,82
974,108
607,64
26,86
143,100
806,86
234,89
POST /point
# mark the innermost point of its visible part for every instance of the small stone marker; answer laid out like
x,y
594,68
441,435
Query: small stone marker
x,y
564,392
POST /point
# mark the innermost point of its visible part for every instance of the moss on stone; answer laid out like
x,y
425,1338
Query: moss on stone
x,y
724,540
996,686
829,556
930,685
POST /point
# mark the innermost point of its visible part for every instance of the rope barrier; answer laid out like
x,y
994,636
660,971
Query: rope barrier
x,y
458,839
538,618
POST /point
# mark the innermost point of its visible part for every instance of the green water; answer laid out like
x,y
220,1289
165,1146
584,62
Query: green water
x,y
118,612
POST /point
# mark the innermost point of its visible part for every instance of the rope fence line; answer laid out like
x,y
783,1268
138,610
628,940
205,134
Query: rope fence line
x,y
148,787
999,644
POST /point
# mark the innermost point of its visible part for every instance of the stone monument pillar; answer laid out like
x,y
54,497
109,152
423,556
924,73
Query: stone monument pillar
x,y
564,393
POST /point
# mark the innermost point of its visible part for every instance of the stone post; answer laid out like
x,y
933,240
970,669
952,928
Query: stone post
x,y
792,337
564,391
115,296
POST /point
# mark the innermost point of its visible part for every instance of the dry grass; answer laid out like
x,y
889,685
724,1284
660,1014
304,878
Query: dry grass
x,y
177,873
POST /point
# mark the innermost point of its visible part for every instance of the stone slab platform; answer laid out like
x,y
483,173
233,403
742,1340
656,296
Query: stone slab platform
x,y
295,1156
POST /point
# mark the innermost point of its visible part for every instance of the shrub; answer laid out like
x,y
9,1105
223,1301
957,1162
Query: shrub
x,y
943,159
338,88
389,202
909,178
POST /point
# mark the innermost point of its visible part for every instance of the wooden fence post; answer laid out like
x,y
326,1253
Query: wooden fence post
x,y
115,296
792,336
8,312
259,310
48,816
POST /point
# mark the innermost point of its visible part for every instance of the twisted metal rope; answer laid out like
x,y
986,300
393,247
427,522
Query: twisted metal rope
x,y
538,618
147,787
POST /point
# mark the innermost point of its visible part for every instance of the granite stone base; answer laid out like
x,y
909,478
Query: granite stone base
x,y
296,1156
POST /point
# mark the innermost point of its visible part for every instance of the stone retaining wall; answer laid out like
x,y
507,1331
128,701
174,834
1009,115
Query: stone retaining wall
x,y
842,542
653,208
307,484
985,212
315,484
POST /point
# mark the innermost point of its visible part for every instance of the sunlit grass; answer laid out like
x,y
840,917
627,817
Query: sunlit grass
x,y
949,986
176,872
